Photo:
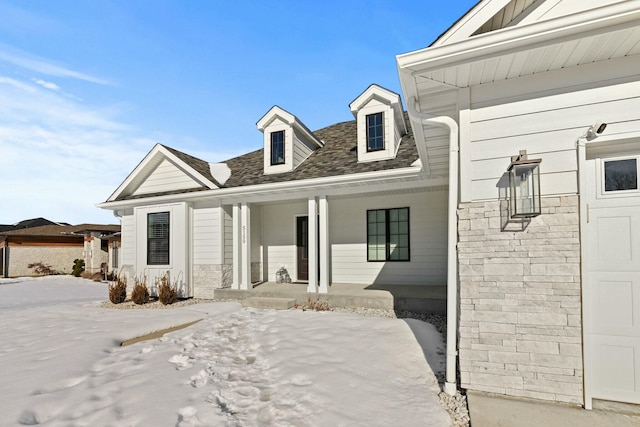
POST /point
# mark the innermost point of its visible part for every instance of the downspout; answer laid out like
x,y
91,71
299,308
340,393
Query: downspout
x,y
450,386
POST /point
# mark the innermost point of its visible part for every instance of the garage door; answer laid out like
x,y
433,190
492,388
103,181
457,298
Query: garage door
x,y
613,277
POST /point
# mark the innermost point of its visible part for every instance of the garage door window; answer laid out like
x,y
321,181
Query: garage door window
x,y
621,175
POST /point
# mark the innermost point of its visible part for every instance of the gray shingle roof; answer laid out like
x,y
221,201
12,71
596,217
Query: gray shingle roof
x,y
338,157
199,165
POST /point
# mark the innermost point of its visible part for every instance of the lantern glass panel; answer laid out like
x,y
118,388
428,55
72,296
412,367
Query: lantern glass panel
x,y
525,190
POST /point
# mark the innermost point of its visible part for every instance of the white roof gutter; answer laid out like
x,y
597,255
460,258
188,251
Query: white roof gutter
x,y
314,184
447,122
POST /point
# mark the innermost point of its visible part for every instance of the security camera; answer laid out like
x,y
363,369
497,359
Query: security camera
x,y
596,130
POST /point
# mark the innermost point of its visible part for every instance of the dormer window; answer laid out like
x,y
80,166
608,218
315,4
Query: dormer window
x,y
375,132
277,148
381,124
287,141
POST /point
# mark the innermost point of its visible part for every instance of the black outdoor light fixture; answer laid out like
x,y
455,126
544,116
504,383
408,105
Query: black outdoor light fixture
x,y
524,186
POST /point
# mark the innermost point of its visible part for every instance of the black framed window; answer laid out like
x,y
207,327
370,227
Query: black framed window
x,y
375,132
388,235
158,238
277,147
621,175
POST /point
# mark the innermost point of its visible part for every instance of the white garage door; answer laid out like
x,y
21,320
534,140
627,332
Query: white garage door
x,y
613,277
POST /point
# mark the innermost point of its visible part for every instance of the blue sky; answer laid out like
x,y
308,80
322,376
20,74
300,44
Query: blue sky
x,y
87,87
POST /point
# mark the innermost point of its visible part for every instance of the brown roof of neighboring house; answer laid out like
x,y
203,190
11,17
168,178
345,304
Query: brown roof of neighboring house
x,y
62,230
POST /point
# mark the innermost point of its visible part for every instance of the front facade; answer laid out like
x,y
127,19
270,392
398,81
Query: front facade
x,y
548,304
344,204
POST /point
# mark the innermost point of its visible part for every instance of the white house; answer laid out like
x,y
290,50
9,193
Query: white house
x,y
349,203
549,301
513,179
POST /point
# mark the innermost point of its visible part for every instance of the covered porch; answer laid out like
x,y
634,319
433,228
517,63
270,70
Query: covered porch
x,y
415,298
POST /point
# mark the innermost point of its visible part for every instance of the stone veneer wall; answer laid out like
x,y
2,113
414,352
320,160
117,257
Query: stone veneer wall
x,y
520,326
60,258
208,277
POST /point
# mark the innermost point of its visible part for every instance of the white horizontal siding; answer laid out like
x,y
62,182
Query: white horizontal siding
x,y
166,177
301,150
547,124
206,235
428,225
279,238
128,251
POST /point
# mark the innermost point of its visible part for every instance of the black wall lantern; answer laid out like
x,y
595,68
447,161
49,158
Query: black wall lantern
x,y
524,186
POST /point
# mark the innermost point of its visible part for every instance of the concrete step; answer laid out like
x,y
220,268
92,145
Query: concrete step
x,y
267,302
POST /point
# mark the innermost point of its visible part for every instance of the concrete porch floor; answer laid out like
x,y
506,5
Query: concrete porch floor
x,y
415,298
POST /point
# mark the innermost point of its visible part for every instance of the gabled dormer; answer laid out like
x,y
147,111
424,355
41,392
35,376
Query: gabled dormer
x,y
381,124
287,141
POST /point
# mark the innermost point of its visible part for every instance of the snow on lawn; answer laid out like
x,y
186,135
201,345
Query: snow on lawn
x,y
62,364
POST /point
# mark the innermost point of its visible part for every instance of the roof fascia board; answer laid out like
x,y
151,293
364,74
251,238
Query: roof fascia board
x,y
480,14
605,19
191,171
156,150
129,179
371,179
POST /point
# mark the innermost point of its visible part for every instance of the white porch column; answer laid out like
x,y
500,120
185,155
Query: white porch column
x,y
312,287
325,253
236,246
245,224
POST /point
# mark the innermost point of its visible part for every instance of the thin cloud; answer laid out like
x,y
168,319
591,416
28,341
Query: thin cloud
x,y
44,66
47,85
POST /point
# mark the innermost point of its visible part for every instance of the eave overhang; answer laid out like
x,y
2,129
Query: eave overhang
x,y
408,177
590,36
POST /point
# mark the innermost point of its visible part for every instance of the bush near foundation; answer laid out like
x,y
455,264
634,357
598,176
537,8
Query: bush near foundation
x,y
78,267
118,290
167,293
42,269
140,294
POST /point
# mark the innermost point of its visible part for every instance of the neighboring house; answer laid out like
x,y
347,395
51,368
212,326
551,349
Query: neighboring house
x,y
344,204
28,223
56,246
549,303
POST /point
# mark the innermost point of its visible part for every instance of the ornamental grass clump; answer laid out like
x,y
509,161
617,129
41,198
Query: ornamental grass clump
x,y
167,293
140,294
118,290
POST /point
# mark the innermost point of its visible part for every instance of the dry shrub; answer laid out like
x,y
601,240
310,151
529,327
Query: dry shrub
x,y
140,294
167,293
42,269
314,304
118,290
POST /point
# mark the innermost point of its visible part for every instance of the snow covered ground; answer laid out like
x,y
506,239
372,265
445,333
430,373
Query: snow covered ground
x,y
61,364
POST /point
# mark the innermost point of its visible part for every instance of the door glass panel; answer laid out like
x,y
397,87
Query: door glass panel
x,y
620,175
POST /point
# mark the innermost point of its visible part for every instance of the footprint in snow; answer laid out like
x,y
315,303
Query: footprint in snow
x,y
180,361
200,379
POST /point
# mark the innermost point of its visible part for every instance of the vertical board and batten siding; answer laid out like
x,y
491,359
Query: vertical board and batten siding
x,y
206,234
166,177
545,115
437,102
428,240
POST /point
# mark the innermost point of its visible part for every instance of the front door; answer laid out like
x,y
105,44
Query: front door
x,y
613,277
302,247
